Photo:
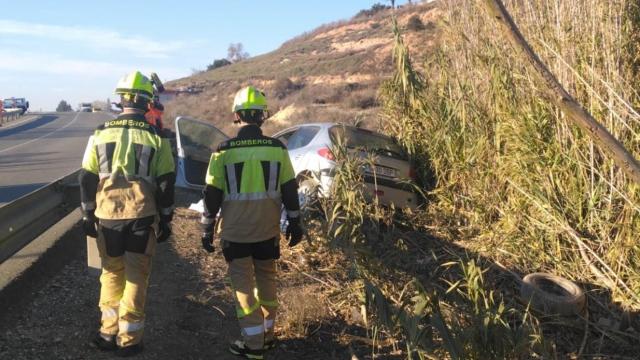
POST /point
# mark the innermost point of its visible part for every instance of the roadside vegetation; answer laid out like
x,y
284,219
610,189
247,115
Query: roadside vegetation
x,y
510,187
516,189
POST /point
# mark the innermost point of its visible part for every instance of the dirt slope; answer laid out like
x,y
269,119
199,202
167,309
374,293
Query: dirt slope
x,y
329,74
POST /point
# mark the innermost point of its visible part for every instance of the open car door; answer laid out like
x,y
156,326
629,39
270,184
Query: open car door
x,y
196,140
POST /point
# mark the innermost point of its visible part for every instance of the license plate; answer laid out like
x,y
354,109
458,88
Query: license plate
x,y
382,171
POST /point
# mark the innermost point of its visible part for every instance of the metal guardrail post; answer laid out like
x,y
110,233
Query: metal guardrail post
x,y
9,114
26,218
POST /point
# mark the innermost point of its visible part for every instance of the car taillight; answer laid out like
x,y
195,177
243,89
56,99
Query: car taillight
x,y
326,153
413,175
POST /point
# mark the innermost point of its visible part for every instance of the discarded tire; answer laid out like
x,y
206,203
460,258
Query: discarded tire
x,y
552,294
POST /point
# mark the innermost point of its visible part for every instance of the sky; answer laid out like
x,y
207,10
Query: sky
x,y
77,50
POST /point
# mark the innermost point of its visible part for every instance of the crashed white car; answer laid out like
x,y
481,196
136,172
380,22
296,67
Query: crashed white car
x,y
309,148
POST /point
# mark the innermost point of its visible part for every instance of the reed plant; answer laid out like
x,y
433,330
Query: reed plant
x,y
512,174
461,318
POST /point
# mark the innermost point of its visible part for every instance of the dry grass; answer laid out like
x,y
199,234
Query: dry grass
x,y
302,308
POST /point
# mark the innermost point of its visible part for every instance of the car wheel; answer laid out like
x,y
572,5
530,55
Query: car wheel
x,y
553,294
308,191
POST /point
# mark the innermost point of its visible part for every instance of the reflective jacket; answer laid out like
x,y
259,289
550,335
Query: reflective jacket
x,y
127,170
250,177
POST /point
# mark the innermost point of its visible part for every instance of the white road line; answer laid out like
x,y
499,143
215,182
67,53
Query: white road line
x,y
43,136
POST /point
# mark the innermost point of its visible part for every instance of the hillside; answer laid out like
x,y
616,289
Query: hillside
x,y
329,74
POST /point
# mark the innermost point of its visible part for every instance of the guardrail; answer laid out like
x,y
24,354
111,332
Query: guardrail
x,y
9,114
24,219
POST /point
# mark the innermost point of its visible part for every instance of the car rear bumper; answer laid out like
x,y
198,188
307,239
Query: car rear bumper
x,y
400,194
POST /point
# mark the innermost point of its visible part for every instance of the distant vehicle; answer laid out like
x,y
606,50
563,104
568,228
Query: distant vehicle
x,y
16,103
96,109
86,107
23,104
309,148
8,104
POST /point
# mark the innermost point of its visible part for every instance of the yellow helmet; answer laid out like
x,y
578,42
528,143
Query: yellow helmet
x,y
135,84
249,98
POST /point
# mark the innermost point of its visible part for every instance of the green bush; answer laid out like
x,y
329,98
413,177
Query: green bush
x,y
375,8
218,63
63,106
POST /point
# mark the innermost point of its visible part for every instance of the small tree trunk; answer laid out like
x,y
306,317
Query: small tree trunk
x,y
561,98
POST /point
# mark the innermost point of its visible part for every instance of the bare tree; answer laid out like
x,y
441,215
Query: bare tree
x,y
236,52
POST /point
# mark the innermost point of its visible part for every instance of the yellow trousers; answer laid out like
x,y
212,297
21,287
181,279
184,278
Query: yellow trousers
x,y
124,282
254,285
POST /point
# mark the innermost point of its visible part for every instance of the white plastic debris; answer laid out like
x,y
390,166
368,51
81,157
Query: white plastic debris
x,y
199,206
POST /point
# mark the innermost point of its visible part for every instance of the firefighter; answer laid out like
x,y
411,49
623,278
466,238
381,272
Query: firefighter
x,y
249,178
154,113
127,193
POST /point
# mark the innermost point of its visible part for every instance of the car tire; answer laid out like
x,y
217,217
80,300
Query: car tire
x,y
552,294
309,188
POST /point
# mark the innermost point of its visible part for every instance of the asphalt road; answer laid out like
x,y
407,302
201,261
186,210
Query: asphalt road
x,y
39,149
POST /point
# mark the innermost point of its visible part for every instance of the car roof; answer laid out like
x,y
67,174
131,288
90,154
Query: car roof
x,y
327,125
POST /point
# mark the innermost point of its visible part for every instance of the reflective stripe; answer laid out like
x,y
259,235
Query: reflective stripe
x,y
144,160
128,327
233,184
242,312
270,303
268,323
275,195
103,159
166,211
273,176
131,310
253,330
109,313
89,205
293,213
207,220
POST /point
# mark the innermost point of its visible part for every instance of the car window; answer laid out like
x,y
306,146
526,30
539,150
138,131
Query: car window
x,y
368,140
302,137
284,138
196,141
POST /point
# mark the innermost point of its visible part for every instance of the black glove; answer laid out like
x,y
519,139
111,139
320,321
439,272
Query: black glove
x,y
164,227
90,224
207,241
294,231
164,232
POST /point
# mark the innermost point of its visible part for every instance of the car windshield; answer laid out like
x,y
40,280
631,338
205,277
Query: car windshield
x,y
8,103
368,140
85,105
